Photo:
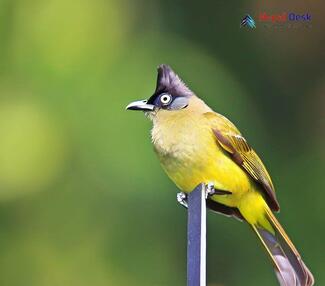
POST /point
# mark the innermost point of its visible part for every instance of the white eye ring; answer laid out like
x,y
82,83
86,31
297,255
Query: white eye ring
x,y
165,98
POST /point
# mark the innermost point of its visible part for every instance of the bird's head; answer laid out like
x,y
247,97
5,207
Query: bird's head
x,y
171,94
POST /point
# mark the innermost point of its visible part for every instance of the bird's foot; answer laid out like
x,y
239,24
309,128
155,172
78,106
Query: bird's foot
x,y
182,199
211,191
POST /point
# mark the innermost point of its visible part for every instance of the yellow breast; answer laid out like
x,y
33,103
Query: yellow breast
x,y
190,155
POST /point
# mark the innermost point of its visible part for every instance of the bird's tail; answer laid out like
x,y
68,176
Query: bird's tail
x,y
288,265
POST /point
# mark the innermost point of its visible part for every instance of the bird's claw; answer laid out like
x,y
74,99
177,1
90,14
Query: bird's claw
x,y
182,199
210,191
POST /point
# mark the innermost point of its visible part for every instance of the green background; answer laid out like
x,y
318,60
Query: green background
x,y
83,200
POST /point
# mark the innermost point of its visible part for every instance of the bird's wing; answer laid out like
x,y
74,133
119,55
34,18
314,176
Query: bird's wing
x,y
235,144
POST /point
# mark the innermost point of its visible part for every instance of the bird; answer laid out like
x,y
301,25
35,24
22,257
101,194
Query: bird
x,y
196,145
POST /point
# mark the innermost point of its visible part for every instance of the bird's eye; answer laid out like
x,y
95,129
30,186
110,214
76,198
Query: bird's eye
x,y
165,99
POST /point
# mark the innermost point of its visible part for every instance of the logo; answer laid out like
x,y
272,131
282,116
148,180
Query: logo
x,y
248,21
282,20
284,17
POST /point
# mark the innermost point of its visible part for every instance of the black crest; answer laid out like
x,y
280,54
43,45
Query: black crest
x,y
169,82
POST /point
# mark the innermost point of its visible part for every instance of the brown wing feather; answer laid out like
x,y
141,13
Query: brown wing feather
x,y
234,143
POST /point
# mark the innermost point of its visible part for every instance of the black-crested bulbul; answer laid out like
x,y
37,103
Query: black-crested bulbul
x,y
197,145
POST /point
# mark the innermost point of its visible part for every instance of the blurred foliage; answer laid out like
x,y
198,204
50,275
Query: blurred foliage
x,y
83,200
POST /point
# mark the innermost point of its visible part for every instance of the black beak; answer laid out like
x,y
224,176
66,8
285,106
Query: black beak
x,y
140,105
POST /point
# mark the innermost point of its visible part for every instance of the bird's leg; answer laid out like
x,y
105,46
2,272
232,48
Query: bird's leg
x,y
211,191
182,199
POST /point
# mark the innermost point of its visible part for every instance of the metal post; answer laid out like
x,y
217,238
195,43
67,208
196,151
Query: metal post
x,y
196,237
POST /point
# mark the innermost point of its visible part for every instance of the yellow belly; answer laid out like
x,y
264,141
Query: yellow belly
x,y
190,155
207,163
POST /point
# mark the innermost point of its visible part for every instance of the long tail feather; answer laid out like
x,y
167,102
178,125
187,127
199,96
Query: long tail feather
x,y
288,265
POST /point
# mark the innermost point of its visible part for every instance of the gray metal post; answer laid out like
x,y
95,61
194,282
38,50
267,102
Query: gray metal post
x,y
196,237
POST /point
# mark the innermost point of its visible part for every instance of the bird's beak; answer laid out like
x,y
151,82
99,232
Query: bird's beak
x,y
140,105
